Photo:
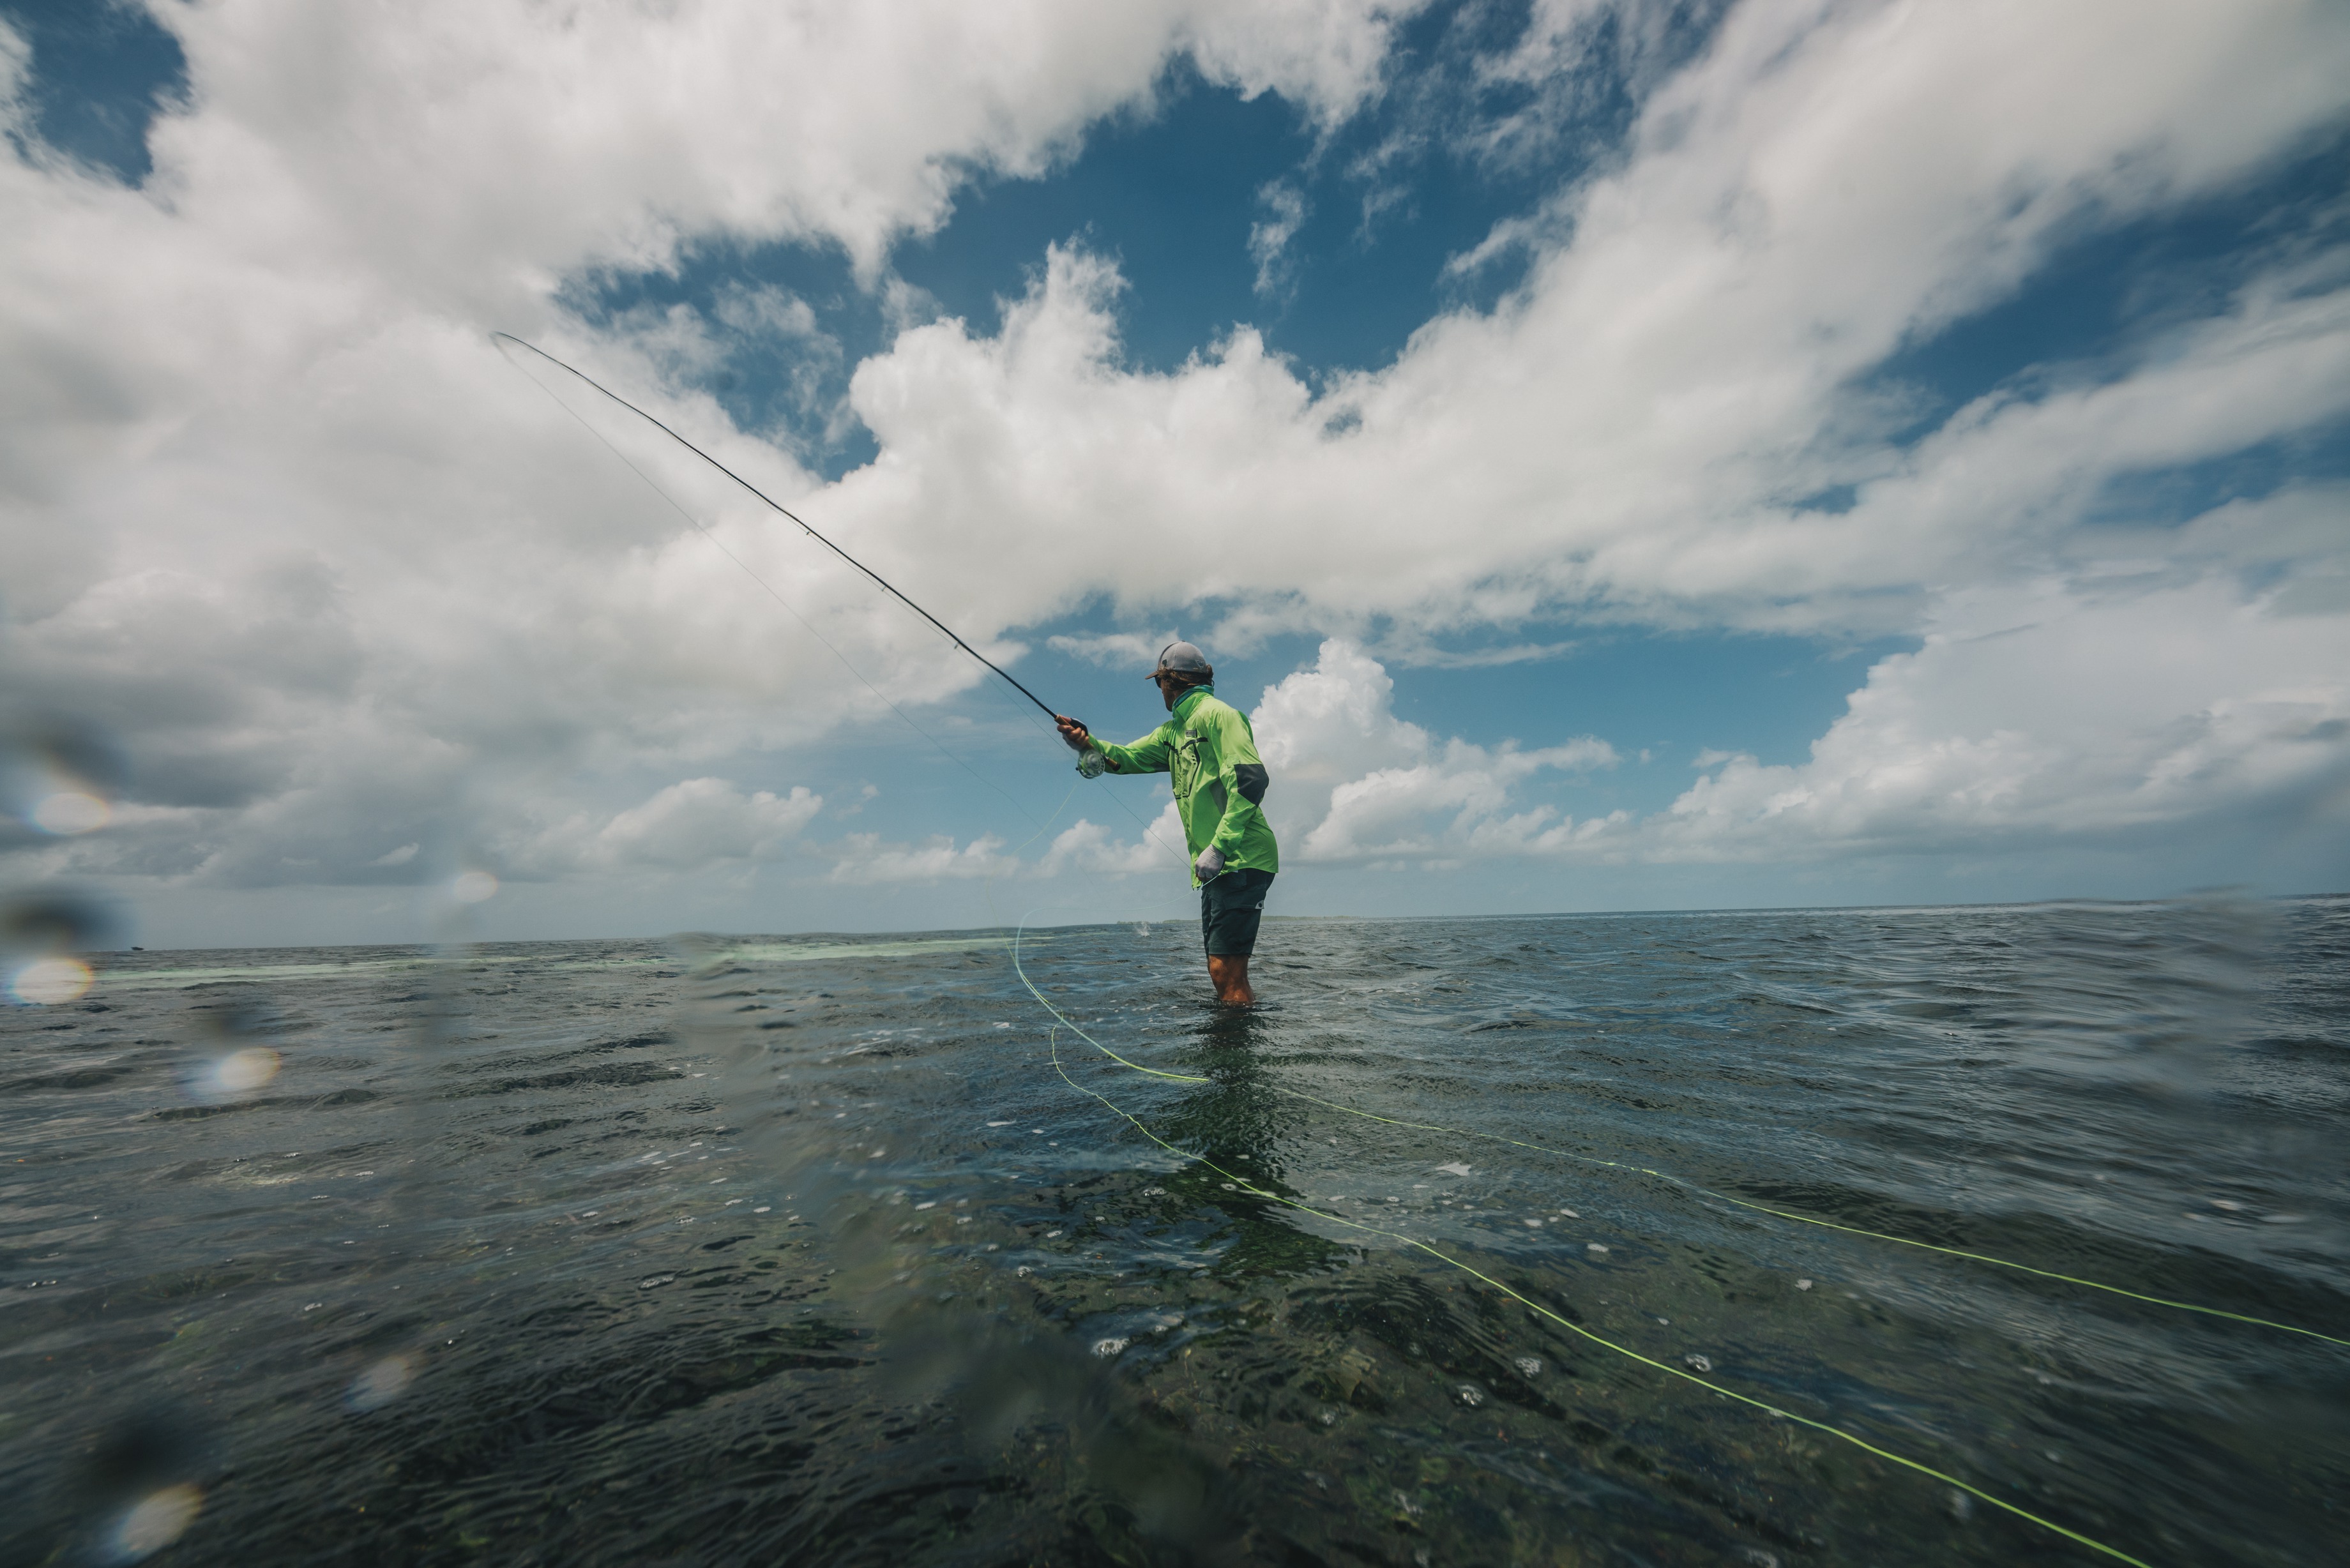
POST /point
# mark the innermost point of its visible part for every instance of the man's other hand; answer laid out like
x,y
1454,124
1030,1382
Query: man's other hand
x,y
1209,864
1073,731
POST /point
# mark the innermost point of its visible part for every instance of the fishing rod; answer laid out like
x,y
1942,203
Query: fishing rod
x,y
788,512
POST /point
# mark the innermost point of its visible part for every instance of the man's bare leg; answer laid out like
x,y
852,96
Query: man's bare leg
x,y
1231,977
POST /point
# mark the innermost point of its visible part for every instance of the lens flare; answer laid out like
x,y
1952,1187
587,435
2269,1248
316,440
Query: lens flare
x,y
154,1522
473,886
47,982
70,811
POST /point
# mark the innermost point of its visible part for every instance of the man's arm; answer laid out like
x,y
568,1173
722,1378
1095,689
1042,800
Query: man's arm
x,y
1147,755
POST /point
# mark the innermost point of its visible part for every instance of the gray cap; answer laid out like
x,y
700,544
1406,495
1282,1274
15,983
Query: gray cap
x,y
1182,658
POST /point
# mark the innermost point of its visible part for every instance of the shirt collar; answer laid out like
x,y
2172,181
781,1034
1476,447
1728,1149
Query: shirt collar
x,y
1190,699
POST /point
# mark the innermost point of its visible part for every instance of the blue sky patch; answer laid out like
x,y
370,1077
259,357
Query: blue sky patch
x,y
102,72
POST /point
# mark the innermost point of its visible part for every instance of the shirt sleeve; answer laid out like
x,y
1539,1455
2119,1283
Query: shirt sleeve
x,y
1242,773
1147,755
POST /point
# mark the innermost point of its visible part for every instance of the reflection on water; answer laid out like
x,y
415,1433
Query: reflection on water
x,y
803,1251
1237,1119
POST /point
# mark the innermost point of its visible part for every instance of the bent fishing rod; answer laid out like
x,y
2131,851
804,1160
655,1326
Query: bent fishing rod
x,y
788,512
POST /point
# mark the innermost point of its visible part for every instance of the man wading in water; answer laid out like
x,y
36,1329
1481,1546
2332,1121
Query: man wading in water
x,y
1209,753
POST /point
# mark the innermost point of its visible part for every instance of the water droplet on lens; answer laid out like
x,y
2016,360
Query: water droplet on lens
x,y
242,1072
379,1384
51,982
53,924
153,1522
70,811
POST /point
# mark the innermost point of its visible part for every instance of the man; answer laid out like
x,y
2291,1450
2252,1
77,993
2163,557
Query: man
x,y
1209,753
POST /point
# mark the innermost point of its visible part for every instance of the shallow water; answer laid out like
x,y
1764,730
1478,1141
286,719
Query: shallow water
x,y
806,1251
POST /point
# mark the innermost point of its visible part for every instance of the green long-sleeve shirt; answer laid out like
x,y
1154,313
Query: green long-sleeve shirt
x,y
1209,753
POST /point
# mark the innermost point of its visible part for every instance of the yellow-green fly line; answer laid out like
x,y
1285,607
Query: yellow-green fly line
x,y
1682,1182
1243,1183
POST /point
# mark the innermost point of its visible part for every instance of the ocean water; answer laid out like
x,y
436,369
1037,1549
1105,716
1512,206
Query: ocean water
x,y
1455,1250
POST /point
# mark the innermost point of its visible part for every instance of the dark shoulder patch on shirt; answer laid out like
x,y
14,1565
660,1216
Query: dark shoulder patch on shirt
x,y
1252,779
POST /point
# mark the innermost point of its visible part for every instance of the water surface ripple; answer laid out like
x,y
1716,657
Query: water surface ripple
x,y
800,1249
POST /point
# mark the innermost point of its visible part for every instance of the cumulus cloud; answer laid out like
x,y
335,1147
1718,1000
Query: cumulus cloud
x,y
1116,649
278,518
1084,849
689,826
1091,849
2027,718
1353,782
1633,434
271,503
2037,717
866,858
454,138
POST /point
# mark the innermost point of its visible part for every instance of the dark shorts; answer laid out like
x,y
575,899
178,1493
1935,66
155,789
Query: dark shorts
x,y
1229,910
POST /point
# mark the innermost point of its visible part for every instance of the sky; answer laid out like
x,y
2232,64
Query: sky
x,y
1620,453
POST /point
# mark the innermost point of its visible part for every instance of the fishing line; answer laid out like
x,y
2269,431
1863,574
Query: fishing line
x,y
786,512
1243,1183
1681,1182
1240,1181
706,533
1688,1185
1148,831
